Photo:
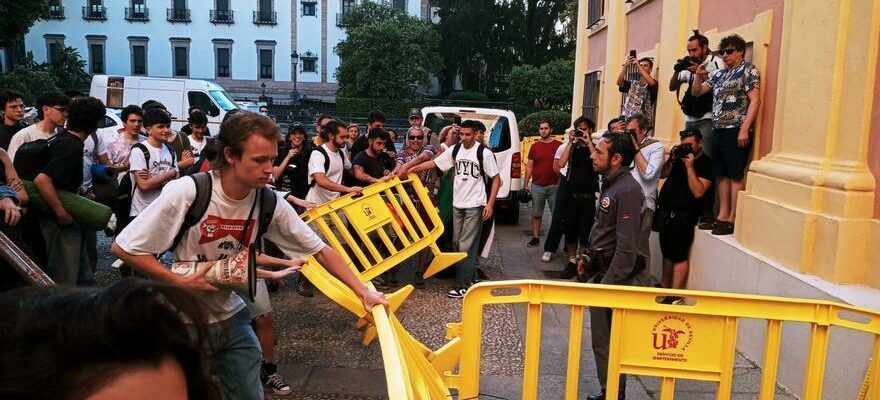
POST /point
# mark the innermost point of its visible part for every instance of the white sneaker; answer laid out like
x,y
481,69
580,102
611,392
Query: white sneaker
x,y
546,256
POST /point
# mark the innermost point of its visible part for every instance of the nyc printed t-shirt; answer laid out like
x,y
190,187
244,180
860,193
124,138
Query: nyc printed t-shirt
x,y
468,188
161,161
217,236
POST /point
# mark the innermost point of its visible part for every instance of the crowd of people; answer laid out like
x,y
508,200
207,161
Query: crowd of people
x,y
191,195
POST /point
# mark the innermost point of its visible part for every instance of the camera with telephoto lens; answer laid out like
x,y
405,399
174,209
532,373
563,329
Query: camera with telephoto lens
x,y
685,63
682,151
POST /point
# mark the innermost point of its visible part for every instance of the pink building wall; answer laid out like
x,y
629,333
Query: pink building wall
x,y
643,27
874,142
726,14
596,51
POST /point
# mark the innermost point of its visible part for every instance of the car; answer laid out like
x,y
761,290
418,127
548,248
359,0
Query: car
x,y
111,124
502,137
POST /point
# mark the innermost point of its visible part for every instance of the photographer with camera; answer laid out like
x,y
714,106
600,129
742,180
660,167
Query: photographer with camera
x,y
688,173
697,109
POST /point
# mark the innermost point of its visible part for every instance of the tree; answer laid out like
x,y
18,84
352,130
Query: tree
x,y
68,69
29,78
547,86
386,55
16,18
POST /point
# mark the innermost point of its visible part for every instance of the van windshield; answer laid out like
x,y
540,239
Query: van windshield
x,y
496,138
222,98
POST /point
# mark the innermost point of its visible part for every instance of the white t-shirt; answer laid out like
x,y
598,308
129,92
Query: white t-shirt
x,y
29,134
197,146
216,236
559,151
712,64
338,165
654,153
161,160
468,188
90,159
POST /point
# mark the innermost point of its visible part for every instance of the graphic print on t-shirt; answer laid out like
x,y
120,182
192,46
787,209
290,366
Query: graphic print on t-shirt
x,y
214,228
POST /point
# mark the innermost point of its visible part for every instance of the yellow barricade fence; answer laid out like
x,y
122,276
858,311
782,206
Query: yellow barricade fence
x,y
379,228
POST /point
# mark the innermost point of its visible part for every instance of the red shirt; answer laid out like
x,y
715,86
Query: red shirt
x,y
541,154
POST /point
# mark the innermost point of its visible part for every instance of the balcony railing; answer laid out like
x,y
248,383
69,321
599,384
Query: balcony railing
x,y
222,17
137,14
265,17
340,20
178,15
95,13
55,12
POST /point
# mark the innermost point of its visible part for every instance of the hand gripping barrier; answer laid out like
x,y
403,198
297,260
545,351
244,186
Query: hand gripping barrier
x,y
379,228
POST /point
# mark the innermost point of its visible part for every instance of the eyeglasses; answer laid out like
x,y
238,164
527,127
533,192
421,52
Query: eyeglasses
x,y
59,108
416,137
727,51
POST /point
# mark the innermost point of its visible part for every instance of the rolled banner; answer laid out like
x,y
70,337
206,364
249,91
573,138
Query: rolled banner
x,y
89,214
238,272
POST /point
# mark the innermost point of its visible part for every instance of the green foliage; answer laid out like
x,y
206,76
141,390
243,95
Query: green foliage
x,y
31,79
560,120
468,95
17,17
386,54
548,86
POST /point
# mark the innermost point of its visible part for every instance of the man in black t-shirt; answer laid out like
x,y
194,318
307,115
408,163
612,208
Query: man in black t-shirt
x,y
372,164
688,173
67,259
376,119
13,113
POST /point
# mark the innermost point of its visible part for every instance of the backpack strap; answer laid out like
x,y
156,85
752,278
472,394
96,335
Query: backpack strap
x,y
142,148
268,202
94,136
198,207
320,149
173,154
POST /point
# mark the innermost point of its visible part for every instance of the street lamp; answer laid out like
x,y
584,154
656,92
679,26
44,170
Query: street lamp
x,y
295,59
263,87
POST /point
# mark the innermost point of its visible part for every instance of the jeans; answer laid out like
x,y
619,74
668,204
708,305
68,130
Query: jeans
x,y
67,259
238,356
467,225
557,223
540,196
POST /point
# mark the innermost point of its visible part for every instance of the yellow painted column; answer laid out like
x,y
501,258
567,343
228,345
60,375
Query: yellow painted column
x,y
581,54
615,54
809,203
679,18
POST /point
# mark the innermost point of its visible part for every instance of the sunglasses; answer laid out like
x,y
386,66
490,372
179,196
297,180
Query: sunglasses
x,y
686,134
59,108
728,51
416,137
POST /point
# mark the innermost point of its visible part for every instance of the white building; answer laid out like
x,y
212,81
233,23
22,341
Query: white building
x,y
241,44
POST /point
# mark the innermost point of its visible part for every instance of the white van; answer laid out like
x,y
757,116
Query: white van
x,y
502,137
176,94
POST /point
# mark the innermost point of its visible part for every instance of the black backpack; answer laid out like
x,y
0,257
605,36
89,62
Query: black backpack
x,y
125,191
323,151
204,185
32,157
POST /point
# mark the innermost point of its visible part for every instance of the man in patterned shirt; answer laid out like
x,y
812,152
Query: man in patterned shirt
x,y
736,96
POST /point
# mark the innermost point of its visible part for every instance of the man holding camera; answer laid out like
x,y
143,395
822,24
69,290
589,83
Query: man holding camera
x,y
697,109
688,174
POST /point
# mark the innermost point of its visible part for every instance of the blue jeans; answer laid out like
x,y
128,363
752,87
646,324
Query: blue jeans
x,y
467,224
540,196
238,356
67,259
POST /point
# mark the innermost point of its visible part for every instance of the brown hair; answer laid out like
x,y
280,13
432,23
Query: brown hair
x,y
235,131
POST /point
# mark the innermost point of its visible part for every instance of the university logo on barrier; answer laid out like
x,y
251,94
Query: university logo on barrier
x,y
672,336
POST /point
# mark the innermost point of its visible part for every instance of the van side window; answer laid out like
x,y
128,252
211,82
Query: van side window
x,y
499,135
201,100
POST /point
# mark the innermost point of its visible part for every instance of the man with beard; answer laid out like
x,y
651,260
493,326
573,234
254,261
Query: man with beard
x,y
541,181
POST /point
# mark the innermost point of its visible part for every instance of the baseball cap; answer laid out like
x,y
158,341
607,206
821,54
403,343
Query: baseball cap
x,y
415,112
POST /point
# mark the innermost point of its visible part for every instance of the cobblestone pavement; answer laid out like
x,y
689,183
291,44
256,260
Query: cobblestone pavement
x,y
318,349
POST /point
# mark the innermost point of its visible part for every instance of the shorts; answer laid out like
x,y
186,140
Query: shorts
x,y
261,304
542,195
728,159
677,237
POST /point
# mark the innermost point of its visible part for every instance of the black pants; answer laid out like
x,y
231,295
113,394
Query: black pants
x,y
581,212
557,222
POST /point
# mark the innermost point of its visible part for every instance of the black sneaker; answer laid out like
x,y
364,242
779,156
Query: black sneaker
x,y
569,272
706,224
277,384
722,228
534,242
456,293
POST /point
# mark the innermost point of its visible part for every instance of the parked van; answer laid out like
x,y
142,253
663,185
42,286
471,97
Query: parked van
x,y
176,94
502,137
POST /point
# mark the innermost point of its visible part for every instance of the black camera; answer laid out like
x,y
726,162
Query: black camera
x,y
685,63
578,133
682,151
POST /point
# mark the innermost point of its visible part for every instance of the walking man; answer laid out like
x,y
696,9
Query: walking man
x,y
541,180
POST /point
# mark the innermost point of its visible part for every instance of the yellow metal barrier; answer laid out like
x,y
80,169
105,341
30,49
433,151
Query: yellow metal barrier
x,y
526,144
376,230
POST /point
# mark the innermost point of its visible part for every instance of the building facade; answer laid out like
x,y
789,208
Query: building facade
x,y
807,222
243,45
